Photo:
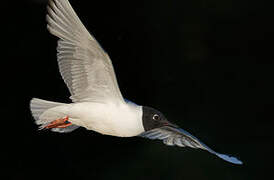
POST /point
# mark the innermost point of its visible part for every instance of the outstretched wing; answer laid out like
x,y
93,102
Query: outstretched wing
x,y
177,136
85,67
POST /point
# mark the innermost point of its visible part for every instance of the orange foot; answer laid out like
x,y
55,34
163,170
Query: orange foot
x,y
59,123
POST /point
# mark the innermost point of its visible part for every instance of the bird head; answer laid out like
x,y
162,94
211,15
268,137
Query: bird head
x,y
153,119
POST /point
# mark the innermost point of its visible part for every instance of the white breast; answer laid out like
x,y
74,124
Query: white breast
x,y
122,120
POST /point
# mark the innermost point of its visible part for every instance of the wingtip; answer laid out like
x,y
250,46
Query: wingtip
x,y
230,159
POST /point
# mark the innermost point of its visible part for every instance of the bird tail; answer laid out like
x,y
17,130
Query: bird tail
x,y
44,112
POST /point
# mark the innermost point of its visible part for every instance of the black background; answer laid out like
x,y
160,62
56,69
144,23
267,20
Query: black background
x,y
206,64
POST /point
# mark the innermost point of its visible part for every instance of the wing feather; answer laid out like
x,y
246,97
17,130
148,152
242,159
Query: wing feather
x,y
84,66
175,136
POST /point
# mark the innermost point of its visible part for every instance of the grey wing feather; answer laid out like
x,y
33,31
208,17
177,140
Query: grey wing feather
x,y
85,67
171,137
176,136
65,130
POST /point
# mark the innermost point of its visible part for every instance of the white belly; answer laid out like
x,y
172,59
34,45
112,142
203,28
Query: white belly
x,y
117,120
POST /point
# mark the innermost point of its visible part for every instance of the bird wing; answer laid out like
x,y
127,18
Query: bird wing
x,y
176,136
85,67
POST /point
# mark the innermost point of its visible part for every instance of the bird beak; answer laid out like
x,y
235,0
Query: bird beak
x,y
167,123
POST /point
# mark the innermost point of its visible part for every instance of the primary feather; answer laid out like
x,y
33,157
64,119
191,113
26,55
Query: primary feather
x,y
177,136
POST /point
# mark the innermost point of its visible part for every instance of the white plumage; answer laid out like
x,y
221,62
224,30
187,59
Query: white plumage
x,y
89,75
122,120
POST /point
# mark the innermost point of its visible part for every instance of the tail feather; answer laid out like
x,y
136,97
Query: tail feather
x,y
45,112
39,106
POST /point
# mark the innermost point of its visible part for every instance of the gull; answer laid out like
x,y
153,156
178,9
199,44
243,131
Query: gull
x,y
97,103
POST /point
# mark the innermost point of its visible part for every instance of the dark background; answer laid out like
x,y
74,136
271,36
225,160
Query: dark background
x,y
206,64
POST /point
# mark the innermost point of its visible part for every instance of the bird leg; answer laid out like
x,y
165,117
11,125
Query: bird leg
x,y
59,123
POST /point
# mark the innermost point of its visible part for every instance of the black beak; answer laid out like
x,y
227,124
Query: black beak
x,y
169,124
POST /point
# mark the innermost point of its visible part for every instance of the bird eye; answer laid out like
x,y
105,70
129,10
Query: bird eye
x,y
155,117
